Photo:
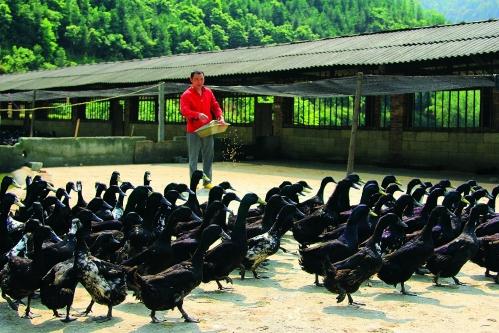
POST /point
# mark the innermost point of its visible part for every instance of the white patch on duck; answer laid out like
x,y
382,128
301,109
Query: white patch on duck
x,y
13,225
117,213
20,248
99,287
265,245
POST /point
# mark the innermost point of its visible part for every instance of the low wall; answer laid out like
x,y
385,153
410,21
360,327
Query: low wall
x,y
69,151
475,152
463,151
332,145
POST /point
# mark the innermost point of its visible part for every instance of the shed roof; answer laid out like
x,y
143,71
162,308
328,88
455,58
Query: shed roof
x,y
399,46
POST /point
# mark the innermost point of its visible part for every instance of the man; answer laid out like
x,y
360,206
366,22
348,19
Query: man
x,y
199,106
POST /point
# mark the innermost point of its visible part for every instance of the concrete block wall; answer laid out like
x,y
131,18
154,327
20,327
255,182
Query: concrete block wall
x,y
474,152
332,145
147,151
79,151
59,127
11,157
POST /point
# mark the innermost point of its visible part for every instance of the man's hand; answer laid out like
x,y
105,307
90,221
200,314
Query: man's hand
x,y
202,116
221,119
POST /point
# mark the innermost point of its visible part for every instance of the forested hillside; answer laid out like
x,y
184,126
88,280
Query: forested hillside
x,y
464,10
50,33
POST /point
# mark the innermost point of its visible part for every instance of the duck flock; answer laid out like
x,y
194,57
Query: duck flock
x,y
162,245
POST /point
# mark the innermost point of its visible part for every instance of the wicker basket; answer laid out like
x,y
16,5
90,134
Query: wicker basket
x,y
213,127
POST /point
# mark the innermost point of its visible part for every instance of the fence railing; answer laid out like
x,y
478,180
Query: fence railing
x,y
333,112
97,110
239,110
60,110
440,110
447,109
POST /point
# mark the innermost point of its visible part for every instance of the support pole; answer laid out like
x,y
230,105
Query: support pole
x,y
161,112
355,123
77,128
32,123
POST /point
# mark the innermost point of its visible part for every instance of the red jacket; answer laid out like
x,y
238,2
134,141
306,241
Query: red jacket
x,y
191,104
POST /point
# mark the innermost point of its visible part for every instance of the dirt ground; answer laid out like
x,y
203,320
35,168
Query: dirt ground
x,y
287,301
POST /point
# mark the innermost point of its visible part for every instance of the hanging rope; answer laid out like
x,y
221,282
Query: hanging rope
x,y
81,103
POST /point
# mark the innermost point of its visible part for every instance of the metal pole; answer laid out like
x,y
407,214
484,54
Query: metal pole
x,y
32,124
161,112
355,123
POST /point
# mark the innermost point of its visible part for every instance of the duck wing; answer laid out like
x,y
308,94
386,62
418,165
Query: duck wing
x,y
354,261
108,270
139,258
176,278
455,246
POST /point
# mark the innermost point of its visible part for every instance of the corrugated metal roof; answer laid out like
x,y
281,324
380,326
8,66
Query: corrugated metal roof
x,y
402,46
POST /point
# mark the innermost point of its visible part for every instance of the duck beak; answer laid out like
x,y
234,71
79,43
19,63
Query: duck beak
x,y
402,224
224,235
373,214
19,203
54,237
398,183
184,196
51,187
16,184
488,196
114,241
261,201
355,186
382,192
95,218
463,200
299,214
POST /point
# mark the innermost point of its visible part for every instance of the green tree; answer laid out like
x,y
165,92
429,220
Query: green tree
x,y
62,32
20,59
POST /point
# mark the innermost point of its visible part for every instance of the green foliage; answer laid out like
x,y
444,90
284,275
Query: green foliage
x,y
239,110
147,110
326,112
60,111
447,109
47,33
98,110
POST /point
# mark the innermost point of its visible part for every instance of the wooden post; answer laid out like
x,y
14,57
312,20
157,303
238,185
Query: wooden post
x,y
161,112
355,123
77,128
32,123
